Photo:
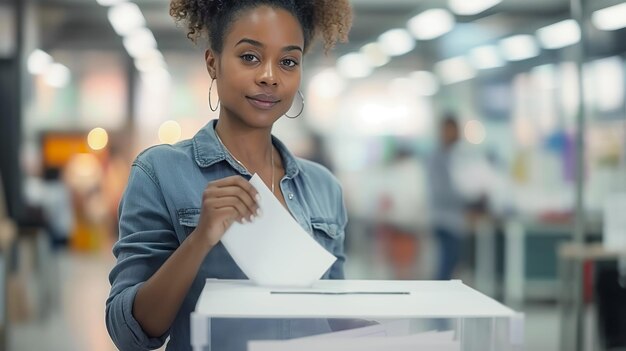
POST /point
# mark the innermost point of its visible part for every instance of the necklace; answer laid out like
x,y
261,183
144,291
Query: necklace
x,y
241,163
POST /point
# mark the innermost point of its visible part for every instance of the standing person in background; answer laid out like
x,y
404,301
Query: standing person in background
x,y
182,198
447,203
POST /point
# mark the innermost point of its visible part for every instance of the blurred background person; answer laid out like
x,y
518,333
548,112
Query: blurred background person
x,y
448,206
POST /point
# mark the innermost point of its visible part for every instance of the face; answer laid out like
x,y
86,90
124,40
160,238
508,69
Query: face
x,y
259,70
450,134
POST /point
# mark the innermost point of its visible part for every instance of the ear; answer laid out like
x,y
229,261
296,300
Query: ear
x,y
211,63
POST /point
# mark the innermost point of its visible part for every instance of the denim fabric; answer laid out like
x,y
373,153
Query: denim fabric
x,y
161,207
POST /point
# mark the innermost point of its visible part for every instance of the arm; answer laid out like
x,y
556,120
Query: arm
x,y
152,269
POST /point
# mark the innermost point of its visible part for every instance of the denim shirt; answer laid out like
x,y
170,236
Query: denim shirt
x,y
161,207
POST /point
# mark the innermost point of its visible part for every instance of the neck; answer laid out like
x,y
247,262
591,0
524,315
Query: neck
x,y
251,146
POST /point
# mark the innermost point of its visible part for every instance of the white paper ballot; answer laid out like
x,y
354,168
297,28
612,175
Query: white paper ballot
x,y
274,250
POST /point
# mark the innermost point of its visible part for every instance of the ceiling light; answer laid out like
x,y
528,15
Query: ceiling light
x,y
354,66
471,7
559,35
455,70
375,54
519,47
109,2
170,132
610,18
327,84
431,24
150,60
396,42
486,57
126,17
97,139
38,62
140,43
57,75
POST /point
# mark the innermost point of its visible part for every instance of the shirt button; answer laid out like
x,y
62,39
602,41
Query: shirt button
x,y
290,196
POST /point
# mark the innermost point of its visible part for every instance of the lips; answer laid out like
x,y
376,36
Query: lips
x,y
263,101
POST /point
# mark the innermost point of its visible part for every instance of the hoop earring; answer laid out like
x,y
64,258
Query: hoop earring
x,y
301,110
218,101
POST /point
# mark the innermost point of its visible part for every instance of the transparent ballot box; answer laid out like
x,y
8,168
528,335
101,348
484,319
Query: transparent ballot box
x,y
237,315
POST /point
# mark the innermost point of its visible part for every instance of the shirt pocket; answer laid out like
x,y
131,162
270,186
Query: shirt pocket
x,y
327,233
188,219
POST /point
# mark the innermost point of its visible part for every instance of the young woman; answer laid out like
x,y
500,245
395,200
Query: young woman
x,y
180,199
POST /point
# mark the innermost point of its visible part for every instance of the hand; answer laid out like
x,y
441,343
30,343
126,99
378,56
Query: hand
x,y
225,201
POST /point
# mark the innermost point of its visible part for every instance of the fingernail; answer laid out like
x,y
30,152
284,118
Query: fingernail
x,y
259,212
257,197
251,218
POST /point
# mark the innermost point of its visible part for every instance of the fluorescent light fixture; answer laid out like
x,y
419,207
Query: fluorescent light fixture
x,y
148,64
471,7
157,79
396,42
125,18
327,84
455,70
559,35
38,62
57,75
519,47
109,2
610,18
354,65
431,24
486,57
427,83
375,54
140,43
151,59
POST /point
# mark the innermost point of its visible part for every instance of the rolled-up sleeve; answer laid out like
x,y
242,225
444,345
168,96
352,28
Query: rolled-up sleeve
x,y
146,240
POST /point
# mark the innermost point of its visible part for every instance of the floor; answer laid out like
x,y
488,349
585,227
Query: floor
x,y
77,323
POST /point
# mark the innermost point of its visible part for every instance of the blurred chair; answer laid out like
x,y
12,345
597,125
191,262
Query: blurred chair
x,y
7,236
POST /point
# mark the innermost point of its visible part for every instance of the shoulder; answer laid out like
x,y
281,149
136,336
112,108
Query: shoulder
x,y
154,158
159,154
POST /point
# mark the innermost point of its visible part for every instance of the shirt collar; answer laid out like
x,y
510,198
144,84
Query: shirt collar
x,y
208,150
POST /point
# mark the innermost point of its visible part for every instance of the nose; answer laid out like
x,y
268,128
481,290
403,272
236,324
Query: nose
x,y
267,75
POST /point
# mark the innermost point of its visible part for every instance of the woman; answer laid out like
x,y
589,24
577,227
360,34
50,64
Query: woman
x,y
181,199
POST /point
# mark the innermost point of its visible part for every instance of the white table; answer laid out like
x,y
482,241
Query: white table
x,y
417,299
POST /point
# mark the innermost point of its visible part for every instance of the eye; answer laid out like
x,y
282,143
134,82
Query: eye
x,y
249,58
289,63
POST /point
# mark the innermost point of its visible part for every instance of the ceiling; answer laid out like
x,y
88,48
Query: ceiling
x,y
83,24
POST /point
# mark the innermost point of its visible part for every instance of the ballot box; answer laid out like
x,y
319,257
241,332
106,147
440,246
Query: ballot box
x,y
237,315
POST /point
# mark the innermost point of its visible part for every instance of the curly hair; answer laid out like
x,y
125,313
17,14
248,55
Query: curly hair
x,y
329,19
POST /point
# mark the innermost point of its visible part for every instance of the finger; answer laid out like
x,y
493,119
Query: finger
x,y
240,182
228,215
234,191
232,201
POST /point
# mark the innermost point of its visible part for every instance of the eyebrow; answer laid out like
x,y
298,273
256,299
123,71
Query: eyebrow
x,y
260,45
